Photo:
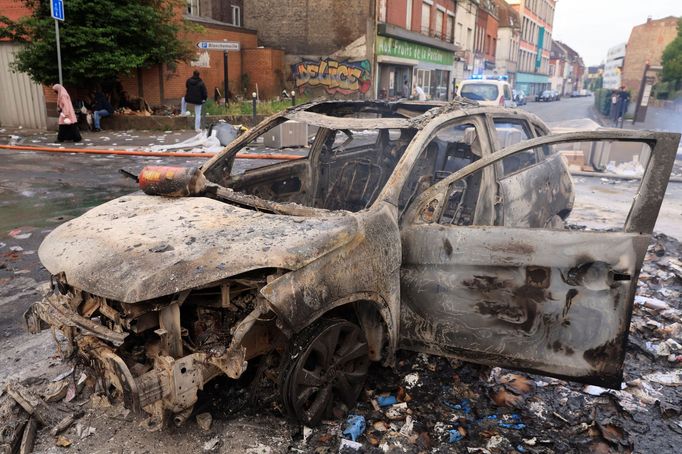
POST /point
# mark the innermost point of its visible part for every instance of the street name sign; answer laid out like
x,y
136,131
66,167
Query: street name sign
x,y
57,9
219,45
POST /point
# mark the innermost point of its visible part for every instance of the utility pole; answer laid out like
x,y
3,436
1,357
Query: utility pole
x,y
57,12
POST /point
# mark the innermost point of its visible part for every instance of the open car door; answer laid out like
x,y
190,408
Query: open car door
x,y
547,300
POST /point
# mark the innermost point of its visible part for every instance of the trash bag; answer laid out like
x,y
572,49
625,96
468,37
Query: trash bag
x,y
225,132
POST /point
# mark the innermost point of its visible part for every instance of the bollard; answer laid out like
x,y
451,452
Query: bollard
x,y
253,97
293,97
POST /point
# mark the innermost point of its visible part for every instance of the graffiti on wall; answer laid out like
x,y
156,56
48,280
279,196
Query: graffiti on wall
x,y
345,77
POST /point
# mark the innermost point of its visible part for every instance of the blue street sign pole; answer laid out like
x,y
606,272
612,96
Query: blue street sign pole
x,y
57,10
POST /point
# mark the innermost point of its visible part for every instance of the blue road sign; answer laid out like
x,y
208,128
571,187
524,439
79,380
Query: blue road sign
x,y
57,9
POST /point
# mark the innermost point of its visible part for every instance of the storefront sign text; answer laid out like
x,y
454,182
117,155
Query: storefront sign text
x,y
403,49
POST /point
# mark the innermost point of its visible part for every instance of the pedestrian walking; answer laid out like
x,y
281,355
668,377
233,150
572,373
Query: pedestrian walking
x,y
406,89
101,107
68,124
196,94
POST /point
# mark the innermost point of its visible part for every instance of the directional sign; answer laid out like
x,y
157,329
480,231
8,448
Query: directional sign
x,y
217,45
57,9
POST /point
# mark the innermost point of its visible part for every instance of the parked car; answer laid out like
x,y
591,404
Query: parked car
x,y
556,95
429,227
519,97
546,96
487,92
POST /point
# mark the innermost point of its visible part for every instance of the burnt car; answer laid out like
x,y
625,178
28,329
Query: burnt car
x,y
432,228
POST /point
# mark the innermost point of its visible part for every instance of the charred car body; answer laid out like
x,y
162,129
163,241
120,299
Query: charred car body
x,y
430,228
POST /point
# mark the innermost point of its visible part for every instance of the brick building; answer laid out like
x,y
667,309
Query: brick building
x,y
360,48
415,46
646,44
566,69
251,68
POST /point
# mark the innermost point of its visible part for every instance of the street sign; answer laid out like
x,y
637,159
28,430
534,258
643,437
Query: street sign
x,y
57,9
218,45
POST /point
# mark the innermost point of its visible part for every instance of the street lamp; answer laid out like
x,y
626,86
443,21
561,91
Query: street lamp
x,y
253,100
293,97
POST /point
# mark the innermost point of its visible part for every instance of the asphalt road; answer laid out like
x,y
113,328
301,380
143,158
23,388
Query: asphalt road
x,y
562,110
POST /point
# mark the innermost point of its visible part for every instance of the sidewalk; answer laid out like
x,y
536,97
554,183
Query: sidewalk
x,y
119,140
657,119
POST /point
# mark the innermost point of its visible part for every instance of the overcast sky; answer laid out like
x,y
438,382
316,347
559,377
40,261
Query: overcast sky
x,y
591,27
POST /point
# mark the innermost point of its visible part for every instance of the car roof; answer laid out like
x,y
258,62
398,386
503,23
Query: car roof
x,y
345,114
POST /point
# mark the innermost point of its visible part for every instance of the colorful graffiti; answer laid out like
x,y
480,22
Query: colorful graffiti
x,y
345,77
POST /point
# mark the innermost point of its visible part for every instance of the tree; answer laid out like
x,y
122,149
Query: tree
x,y
672,57
100,39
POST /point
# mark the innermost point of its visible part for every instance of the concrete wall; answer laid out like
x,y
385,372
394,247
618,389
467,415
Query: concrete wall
x,y
308,27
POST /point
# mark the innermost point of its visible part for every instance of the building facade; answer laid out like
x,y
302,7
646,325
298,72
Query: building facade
x,y
508,36
613,67
465,26
537,20
645,46
415,46
225,11
566,68
485,38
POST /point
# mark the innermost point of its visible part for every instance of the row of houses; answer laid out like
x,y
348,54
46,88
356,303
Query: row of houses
x,y
354,49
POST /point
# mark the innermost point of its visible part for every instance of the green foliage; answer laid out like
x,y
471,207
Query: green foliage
x,y
101,39
246,107
672,57
11,30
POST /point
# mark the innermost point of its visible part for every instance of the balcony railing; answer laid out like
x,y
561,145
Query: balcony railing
x,y
427,31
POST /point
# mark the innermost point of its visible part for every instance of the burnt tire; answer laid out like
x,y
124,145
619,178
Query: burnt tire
x,y
327,363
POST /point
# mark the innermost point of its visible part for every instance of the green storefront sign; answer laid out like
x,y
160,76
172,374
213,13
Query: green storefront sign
x,y
404,49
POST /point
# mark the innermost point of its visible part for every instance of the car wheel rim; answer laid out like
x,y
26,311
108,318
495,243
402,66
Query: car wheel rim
x,y
332,367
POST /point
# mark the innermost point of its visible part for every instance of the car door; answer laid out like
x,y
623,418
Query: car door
x,y
546,300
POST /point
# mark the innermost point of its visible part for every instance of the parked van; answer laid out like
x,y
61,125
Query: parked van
x,y
487,92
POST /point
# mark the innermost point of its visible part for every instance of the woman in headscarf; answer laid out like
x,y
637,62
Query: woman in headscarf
x,y
68,124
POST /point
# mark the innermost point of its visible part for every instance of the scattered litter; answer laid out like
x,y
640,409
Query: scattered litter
x,y
84,431
349,444
355,426
204,421
211,444
651,303
16,248
411,380
671,378
16,233
63,442
386,401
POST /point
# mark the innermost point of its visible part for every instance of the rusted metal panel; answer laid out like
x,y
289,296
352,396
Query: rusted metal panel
x,y
139,247
325,121
506,293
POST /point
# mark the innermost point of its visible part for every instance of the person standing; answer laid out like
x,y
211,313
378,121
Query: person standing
x,y
68,125
196,94
101,107
419,92
406,88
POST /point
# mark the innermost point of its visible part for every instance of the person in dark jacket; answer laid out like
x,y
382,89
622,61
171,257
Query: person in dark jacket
x,y
196,94
101,107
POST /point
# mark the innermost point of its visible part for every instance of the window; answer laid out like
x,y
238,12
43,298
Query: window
x,y
449,32
408,15
426,18
510,133
193,7
452,148
438,32
236,16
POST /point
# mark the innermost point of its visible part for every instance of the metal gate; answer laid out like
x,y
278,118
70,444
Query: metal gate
x,y
22,102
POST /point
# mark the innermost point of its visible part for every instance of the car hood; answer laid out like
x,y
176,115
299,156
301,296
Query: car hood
x,y
140,247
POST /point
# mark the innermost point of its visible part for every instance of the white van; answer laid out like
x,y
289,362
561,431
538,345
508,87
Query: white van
x,y
487,92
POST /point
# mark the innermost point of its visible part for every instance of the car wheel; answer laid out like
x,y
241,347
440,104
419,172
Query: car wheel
x,y
327,363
